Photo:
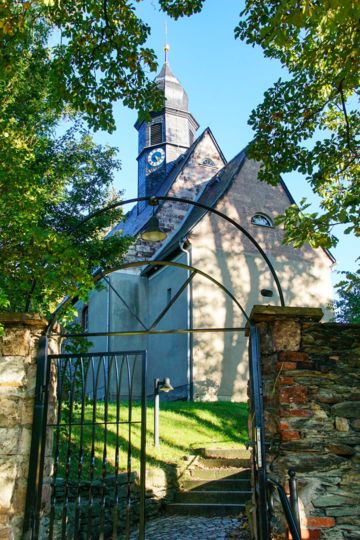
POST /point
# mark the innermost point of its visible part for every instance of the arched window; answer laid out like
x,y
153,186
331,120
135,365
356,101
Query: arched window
x,y
85,318
262,220
208,162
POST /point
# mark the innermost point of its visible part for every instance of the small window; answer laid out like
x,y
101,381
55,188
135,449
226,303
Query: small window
x,y
262,220
191,137
85,318
208,162
156,134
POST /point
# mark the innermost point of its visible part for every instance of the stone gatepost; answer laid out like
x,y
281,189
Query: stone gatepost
x,y
18,350
311,393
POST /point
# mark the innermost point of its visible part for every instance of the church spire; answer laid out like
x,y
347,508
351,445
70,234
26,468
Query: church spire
x,y
174,92
168,135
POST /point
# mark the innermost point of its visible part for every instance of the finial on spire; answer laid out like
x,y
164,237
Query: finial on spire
x,y
166,46
166,49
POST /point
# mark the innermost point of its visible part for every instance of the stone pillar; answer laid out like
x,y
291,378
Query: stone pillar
x,y
311,373
18,349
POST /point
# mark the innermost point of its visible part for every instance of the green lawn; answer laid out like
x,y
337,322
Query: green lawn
x,y
184,428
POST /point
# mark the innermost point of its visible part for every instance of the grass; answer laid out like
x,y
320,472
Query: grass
x,y
184,427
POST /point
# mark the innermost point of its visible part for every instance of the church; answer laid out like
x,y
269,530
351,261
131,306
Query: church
x,y
185,291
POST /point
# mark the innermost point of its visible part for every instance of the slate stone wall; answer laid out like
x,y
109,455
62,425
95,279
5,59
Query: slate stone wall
x,y
161,487
18,349
187,185
311,378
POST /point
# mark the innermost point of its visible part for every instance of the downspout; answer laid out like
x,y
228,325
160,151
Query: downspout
x,y
108,314
189,371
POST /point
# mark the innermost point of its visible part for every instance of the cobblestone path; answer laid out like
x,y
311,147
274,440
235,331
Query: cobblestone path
x,y
194,528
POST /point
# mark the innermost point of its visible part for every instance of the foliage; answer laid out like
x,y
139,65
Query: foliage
x,y
48,183
97,57
347,306
63,61
179,8
308,122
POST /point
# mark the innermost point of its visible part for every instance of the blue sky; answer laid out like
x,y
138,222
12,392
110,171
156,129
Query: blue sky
x,y
225,79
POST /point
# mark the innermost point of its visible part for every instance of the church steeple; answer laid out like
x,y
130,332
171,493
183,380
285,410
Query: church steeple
x,y
175,95
168,135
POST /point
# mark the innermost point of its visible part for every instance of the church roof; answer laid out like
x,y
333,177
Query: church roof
x,y
140,214
174,92
213,190
209,195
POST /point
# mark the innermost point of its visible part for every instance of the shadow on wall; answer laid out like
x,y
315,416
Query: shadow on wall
x,y
221,362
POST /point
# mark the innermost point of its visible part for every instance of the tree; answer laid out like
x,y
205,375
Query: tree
x,y
347,305
49,182
307,122
97,54
71,60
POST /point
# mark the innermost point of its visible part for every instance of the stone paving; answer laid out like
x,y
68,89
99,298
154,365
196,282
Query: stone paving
x,y
178,527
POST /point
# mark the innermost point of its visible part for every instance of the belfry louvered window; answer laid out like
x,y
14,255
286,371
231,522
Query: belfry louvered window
x,y
156,134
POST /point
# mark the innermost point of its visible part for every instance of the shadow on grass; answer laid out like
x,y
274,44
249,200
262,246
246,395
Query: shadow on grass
x,y
88,457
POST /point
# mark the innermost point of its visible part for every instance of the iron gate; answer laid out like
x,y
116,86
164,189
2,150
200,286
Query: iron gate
x,y
257,434
89,426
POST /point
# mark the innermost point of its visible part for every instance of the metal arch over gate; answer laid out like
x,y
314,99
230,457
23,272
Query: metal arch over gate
x,y
70,368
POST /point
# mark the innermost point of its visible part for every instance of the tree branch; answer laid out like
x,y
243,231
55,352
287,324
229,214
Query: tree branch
x,y
348,135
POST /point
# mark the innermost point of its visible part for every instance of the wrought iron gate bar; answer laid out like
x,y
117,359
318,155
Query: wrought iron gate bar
x,y
91,375
93,424
198,204
152,332
87,355
100,274
258,437
88,496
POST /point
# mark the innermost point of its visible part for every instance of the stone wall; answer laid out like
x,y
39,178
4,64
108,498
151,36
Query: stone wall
x,y
109,503
18,348
311,376
187,185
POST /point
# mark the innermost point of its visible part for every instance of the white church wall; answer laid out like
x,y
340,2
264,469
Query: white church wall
x,y
107,313
177,133
220,365
169,353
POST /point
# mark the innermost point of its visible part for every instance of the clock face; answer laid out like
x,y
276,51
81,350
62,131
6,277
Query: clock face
x,y
156,157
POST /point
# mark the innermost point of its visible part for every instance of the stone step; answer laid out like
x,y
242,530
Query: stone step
x,y
207,497
219,463
205,509
225,453
223,484
217,474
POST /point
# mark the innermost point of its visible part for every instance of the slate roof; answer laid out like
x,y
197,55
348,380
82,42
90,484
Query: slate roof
x,y
140,214
210,194
213,190
174,92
